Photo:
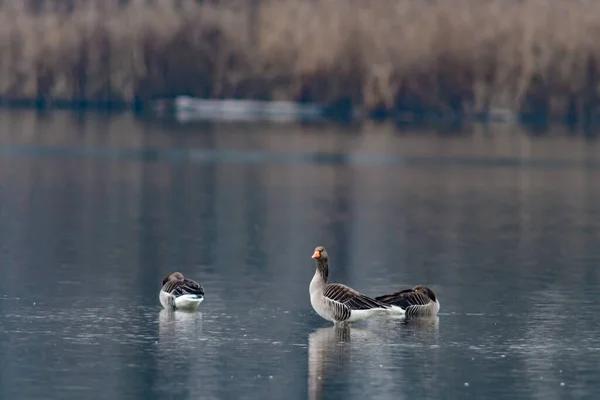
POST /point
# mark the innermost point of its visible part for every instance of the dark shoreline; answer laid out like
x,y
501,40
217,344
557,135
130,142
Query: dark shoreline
x,y
536,123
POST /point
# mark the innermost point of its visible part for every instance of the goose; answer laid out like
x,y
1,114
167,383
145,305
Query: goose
x,y
178,292
419,301
339,303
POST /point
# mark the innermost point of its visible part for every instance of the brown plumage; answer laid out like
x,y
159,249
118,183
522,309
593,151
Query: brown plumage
x,y
350,297
418,301
177,285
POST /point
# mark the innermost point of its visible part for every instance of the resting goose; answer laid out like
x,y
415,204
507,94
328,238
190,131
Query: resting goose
x,y
419,301
336,302
178,292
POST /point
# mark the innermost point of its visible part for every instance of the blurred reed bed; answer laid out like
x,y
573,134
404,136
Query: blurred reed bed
x,y
446,57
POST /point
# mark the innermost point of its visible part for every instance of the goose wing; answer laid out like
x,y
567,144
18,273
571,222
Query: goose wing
x,y
411,301
186,286
192,287
350,298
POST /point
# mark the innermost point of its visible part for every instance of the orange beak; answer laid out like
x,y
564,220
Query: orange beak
x,y
317,254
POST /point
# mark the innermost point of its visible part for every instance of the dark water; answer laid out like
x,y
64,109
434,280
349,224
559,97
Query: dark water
x,y
95,211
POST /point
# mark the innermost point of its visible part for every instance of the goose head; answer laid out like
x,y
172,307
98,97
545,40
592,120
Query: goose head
x,y
175,276
426,291
320,254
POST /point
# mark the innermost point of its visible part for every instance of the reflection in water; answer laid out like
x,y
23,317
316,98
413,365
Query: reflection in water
x,y
427,324
344,360
399,328
425,329
182,326
179,357
328,354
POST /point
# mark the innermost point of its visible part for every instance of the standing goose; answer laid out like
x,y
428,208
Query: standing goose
x,y
336,302
419,301
178,292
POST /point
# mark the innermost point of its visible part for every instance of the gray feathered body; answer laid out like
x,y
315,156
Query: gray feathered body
x,y
339,303
419,301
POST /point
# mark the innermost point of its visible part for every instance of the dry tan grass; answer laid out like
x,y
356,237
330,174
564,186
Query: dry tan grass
x,y
445,55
